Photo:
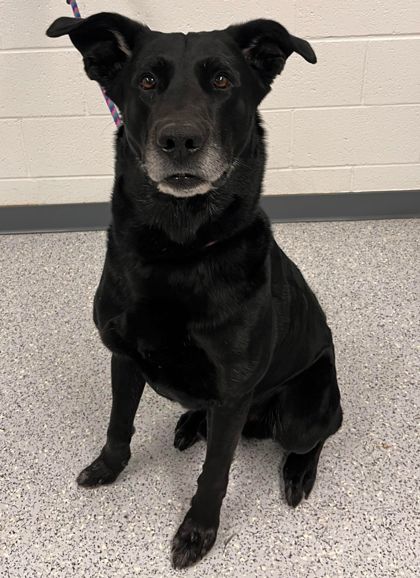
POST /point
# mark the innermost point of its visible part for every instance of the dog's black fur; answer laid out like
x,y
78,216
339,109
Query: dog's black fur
x,y
195,297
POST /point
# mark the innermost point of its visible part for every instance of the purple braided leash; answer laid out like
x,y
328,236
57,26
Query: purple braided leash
x,y
111,105
74,7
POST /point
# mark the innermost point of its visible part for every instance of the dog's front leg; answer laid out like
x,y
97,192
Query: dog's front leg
x,y
127,388
198,531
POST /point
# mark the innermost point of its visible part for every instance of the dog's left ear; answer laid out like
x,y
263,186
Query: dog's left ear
x,y
266,45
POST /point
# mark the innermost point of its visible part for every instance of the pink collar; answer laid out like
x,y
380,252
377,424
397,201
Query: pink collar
x,y
210,243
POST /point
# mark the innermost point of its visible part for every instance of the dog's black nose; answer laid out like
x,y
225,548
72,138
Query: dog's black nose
x,y
183,139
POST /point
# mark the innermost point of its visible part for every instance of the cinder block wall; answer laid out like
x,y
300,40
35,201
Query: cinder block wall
x,y
350,123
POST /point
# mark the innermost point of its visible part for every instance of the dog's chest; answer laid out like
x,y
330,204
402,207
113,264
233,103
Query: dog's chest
x,y
174,364
167,318
182,372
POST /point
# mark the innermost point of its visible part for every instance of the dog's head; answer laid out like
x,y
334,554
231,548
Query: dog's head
x,y
188,100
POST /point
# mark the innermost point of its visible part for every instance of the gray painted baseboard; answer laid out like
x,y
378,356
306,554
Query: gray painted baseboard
x,y
280,208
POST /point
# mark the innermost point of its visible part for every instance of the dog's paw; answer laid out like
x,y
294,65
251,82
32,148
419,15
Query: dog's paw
x,y
97,474
298,482
191,543
183,440
190,429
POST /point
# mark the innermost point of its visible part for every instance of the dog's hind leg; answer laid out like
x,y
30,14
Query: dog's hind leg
x,y
299,474
257,425
309,412
191,427
127,388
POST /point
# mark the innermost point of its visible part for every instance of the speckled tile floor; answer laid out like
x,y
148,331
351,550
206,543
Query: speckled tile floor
x,y
362,519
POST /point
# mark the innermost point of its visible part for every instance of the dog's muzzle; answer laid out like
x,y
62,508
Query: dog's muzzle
x,y
184,185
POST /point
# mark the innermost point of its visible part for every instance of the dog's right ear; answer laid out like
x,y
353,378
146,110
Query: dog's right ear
x,y
105,40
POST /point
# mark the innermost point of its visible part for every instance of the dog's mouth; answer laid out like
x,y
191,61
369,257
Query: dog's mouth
x,y
184,181
184,185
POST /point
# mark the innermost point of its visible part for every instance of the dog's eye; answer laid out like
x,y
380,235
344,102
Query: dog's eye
x,y
221,81
148,81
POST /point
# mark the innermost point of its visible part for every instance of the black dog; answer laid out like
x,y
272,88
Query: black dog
x,y
195,297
